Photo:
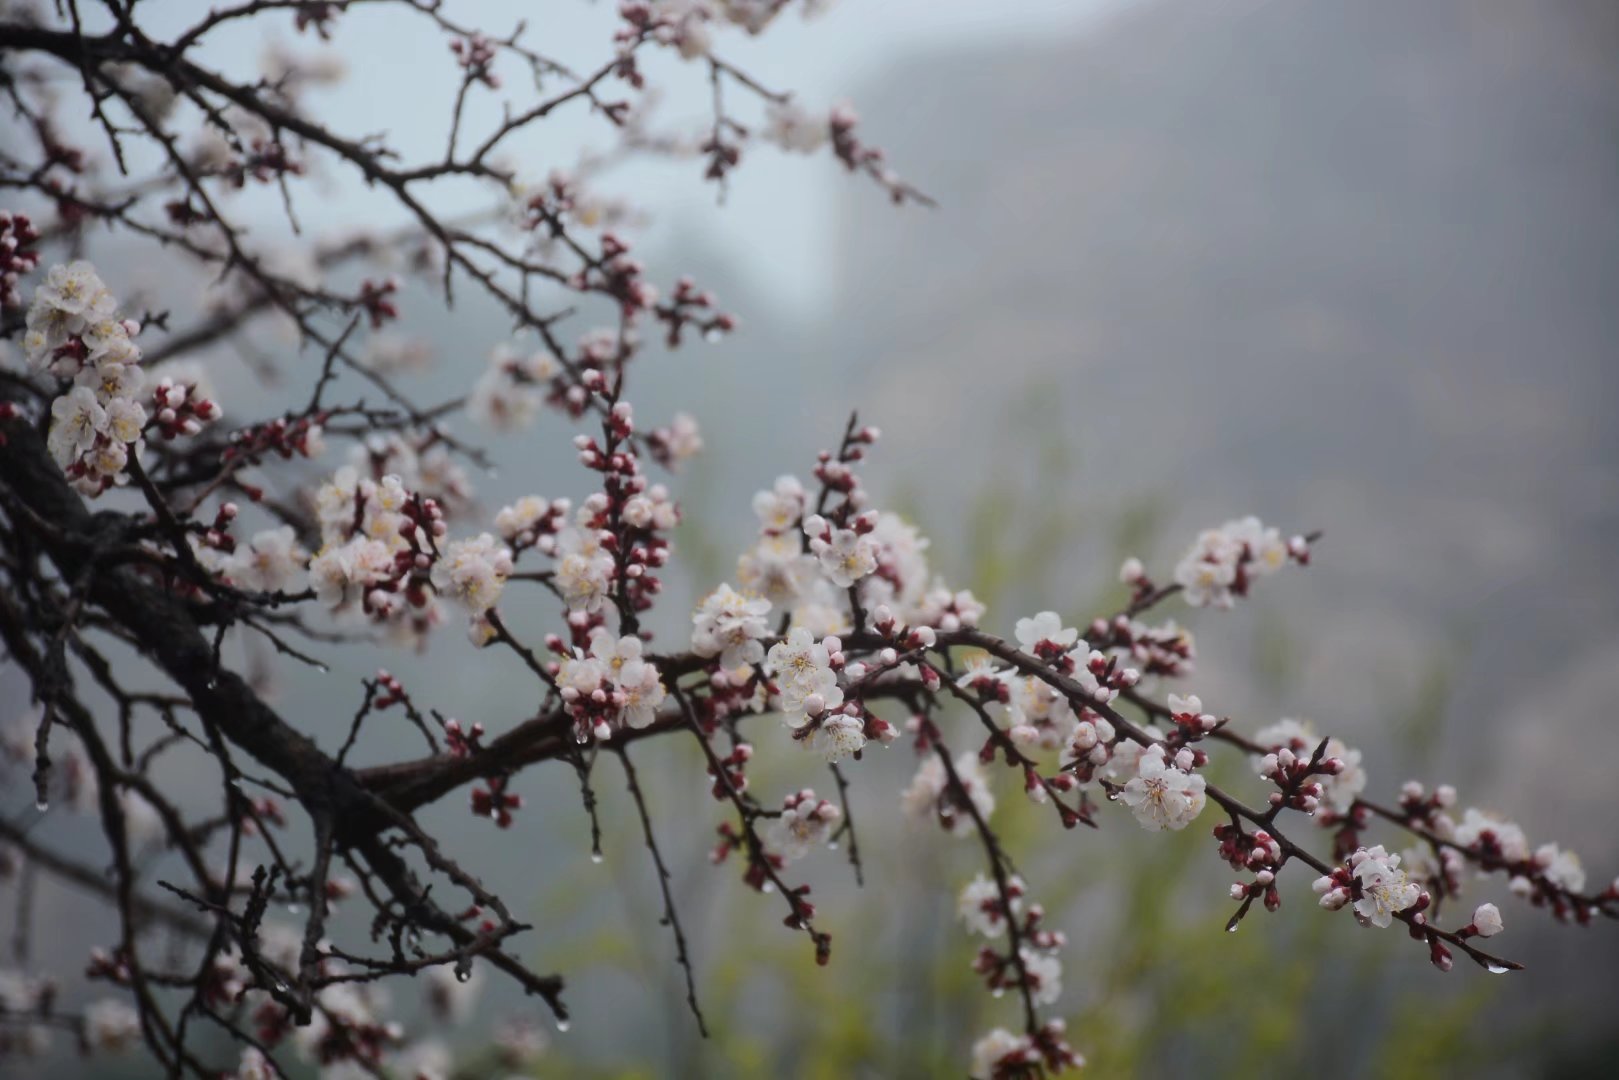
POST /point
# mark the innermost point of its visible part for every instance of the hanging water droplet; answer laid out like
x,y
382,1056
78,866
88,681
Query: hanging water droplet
x,y
1231,928
322,668
463,974
563,1025
596,857
42,805
999,991
713,334
294,909
768,887
832,845
1497,969
213,683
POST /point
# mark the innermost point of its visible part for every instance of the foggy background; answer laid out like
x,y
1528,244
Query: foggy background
x,y
1345,265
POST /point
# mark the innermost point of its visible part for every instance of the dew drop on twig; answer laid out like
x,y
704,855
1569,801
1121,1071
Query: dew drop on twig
x,y
563,1025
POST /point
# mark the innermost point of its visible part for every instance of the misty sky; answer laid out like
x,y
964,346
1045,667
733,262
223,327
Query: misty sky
x,y
778,217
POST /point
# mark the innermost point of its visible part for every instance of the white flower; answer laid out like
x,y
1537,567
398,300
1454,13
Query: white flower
x,y
681,440
801,667
780,508
1222,562
806,822
1338,792
902,566
473,572
125,419
112,379
928,795
508,394
1205,578
839,736
729,625
1385,891
1044,713
1562,868
1484,831
980,906
1266,550
272,561
1162,796
1000,1052
521,517
1044,972
1487,920
584,674
341,573
821,610
72,289
776,569
1046,626
584,570
846,558
795,130
77,417
110,1026
643,692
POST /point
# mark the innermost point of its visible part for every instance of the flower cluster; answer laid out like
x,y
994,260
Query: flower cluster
x,y
17,255
509,393
1372,880
1030,964
1001,1055
1304,781
730,626
983,908
384,553
932,794
1225,562
806,822
609,686
272,561
1040,713
74,332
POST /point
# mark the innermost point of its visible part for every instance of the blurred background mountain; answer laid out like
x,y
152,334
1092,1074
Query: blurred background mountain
x,y
1346,264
